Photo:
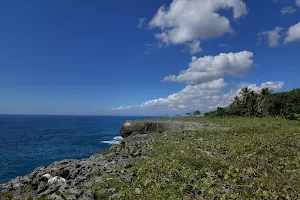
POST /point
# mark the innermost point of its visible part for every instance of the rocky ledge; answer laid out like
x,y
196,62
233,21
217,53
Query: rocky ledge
x,y
73,179
159,126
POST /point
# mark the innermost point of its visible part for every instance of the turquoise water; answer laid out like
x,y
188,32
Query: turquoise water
x,y
27,142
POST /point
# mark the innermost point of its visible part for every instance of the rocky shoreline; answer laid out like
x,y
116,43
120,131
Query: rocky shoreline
x,y
73,179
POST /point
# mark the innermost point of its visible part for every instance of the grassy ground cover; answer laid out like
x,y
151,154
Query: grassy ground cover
x,y
254,159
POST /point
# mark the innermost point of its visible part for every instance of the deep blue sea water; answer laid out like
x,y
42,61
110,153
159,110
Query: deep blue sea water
x,y
28,142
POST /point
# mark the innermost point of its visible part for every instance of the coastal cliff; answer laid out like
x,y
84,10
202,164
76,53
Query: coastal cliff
x,y
186,158
72,179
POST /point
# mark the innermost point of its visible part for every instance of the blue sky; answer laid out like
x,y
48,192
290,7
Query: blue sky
x,y
115,57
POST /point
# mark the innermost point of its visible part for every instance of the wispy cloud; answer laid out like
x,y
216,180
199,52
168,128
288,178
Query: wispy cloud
x,y
146,52
287,10
223,45
272,36
141,22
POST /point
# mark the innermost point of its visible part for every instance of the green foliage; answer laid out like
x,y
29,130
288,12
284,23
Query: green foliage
x,y
188,114
43,197
197,112
262,104
7,196
285,104
254,159
104,152
108,187
298,117
62,195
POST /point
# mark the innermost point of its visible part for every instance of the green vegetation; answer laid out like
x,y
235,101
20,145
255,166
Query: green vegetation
x,y
188,114
197,112
254,159
262,104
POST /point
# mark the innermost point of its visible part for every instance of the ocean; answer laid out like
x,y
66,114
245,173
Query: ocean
x,y
28,142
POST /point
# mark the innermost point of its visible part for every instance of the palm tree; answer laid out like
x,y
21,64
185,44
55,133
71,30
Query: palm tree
x,y
236,101
262,98
245,92
265,92
246,98
252,103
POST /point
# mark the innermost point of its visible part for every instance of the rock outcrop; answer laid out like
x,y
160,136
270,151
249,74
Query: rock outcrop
x,y
142,127
66,176
158,126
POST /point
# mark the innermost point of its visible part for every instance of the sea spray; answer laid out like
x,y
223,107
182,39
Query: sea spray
x,y
115,140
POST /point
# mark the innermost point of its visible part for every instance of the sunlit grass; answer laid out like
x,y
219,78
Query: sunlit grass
x,y
255,158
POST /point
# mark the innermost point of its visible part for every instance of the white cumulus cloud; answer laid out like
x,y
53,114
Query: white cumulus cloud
x,y
185,21
212,67
187,98
187,95
273,36
205,96
293,34
298,3
272,85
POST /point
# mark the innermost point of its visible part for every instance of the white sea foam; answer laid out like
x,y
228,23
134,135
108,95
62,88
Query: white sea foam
x,y
115,140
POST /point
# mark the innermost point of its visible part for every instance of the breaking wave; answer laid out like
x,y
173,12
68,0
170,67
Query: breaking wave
x,y
115,140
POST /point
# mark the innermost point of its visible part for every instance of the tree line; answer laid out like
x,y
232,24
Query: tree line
x,y
196,113
263,103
